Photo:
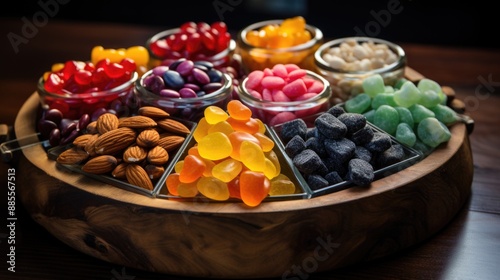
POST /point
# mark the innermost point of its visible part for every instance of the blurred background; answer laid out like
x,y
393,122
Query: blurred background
x,y
457,23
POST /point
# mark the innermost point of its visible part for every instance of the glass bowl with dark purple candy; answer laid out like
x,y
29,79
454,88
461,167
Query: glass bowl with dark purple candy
x,y
184,88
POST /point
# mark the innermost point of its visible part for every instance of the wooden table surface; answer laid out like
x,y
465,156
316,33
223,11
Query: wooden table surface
x,y
467,248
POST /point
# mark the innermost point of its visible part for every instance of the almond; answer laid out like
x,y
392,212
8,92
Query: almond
x,y
157,156
90,145
137,122
92,128
106,122
174,126
171,142
154,171
152,112
100,164
73,155
148,138
114,141
82,140
134,154
119,171
136,175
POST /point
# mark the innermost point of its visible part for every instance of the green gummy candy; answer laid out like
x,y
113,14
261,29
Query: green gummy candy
x,y
432,132
429,98
408,95
405,116
369,116
444,114
389,89
422,147
428,84
419,113
405,134
373,85
358,104
399,83
383,99
386,118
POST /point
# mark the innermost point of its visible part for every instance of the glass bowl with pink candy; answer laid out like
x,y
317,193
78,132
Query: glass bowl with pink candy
x,y
284,92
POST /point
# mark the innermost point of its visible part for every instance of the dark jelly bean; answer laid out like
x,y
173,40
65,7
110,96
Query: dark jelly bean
x,y
173,79
169,93
201,76
83,122
53,115
154,84
97,113
174,64
185,68
45,127
214,75
67,126
55,137
211,87
187,93
192,86
159,70
70,138
207,64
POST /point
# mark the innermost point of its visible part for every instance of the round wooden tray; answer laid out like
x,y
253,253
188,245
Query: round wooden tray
x,y
229,240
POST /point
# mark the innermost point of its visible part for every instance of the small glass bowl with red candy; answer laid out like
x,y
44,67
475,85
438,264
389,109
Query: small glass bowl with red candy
x,y
74,93
193,41
284,92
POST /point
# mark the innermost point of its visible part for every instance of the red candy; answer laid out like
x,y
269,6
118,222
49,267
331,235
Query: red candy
x,y
193,40
80,77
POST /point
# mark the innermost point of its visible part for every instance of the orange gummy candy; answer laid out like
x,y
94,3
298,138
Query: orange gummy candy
x,y
254,187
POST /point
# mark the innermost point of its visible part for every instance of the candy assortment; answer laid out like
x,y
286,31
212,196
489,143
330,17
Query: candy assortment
x,y
264,44
232,157
185,88
266,126
284,92
345,62
416,114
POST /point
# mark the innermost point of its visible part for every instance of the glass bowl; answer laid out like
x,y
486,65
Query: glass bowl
x,y
273,113
336,61
220,59
256,58
190,109
74,105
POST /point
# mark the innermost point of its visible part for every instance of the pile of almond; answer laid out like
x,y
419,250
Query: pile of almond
x,y
134,149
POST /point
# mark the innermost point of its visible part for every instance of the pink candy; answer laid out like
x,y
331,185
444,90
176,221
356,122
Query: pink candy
x,y
283,83
290,90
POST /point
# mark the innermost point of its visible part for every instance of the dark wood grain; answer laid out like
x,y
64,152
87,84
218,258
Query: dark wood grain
x,y
466,248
